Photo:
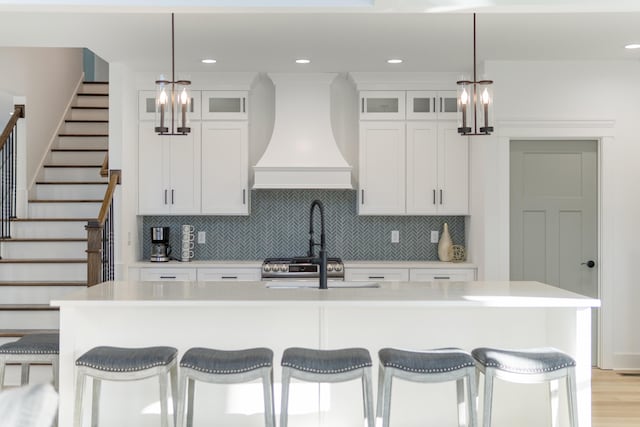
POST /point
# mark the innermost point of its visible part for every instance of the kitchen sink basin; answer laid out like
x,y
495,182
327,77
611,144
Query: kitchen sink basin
x,y
333,284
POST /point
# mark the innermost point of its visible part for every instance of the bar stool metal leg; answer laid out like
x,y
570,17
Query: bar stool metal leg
x,y
284,402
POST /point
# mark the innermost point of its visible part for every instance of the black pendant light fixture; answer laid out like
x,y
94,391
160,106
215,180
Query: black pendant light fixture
x,y
475,99
172,99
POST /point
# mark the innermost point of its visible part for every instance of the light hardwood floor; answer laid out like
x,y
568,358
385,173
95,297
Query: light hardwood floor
x,y
615,399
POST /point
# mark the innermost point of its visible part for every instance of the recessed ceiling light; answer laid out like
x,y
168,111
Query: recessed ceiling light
x,y
303,61
209,61
394,61
632,46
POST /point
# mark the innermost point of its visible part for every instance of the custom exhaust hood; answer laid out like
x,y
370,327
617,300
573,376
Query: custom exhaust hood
x,y
302,152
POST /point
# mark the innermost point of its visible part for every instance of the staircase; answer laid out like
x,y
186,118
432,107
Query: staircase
x,y
45,257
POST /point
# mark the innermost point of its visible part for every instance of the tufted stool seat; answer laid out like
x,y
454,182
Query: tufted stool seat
x,y
225,367
430,366
125,364
327,366
32,348
528,366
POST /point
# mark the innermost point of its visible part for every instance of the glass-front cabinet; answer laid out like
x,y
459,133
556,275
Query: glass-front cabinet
x,y
147,106
431,105
382,105
224,105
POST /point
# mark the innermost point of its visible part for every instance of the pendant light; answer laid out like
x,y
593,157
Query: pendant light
x,y
475,99
172,99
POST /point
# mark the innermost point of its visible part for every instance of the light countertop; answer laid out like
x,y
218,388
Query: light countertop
x,y
404,294
347,263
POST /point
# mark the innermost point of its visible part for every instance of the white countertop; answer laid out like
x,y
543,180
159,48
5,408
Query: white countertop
x,y
405,294
347,263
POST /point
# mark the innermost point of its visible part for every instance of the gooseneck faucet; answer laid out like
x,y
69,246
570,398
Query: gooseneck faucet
x,y
321,260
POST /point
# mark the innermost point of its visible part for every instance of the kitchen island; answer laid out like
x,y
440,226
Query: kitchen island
x,y
413,315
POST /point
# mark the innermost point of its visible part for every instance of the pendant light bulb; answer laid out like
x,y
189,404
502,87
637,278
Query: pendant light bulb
x,y
163,97
184,98
485,96
464,97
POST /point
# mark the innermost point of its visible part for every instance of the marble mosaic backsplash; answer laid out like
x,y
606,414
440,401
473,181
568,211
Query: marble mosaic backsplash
x,y
279,226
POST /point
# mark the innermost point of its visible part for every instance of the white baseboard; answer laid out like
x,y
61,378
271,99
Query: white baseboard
x,y
623,361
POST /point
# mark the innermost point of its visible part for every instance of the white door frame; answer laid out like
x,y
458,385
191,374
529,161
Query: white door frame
x,y
601,131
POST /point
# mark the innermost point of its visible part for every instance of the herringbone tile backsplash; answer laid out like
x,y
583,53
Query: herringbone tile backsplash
x,y
279,226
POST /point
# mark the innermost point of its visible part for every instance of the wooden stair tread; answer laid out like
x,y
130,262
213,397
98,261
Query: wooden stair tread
x,y
80,150
52,219
43,261
72,183
27,307
42,239
89,107
85,121
50,283
65,201
17,333
72,166
84,135
92,94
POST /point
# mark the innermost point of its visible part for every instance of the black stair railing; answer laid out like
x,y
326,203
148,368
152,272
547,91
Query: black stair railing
x,y
8,171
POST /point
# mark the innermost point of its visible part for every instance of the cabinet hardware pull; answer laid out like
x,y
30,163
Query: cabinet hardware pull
x,y
165,197
440,105
434,196
363,105
441,277
433,109
229,277
362,197
244,106
172,196
167,277
376,277
441,196
243,197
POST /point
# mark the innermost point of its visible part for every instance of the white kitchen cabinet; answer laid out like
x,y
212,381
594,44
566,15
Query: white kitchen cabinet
x,y
147,106
382,168
382,105
431,105
225,175
376,274
169,172
437,169
166,274
217,274
432,274
224,105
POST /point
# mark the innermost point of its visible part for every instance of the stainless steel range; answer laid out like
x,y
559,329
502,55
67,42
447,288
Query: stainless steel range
x,y
300,268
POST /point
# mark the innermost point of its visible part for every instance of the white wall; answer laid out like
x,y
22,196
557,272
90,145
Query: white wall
x,y
548,98
47,78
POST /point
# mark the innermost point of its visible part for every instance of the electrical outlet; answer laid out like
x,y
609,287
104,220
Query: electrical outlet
x,y
434,236
202,237
395,236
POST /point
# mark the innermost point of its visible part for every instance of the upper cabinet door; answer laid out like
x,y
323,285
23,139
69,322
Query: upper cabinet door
x,y
147,106
447,104
422,168
225,105
184,191
421,105
453,170
382,105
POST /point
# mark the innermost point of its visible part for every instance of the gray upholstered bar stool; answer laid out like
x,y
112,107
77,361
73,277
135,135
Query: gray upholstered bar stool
x,y
430,366
32,348
528,366
126,364
327,366
225,367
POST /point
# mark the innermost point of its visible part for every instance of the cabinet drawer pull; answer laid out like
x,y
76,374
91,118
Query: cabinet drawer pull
x,y
229,277
167,277
441,278
376,277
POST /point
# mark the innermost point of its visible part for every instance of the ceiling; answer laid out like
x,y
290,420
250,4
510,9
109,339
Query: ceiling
x,y
337,35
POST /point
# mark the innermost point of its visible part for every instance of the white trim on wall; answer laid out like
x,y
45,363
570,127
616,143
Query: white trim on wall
x,y
603,132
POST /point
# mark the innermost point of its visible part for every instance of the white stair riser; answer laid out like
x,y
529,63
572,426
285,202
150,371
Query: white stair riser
x,y
48,229
44,271
83,142
77,158
64,210
68,191
72,174
85,128
33,294
88,114
36,250
92,101
38,374
44,319
94,88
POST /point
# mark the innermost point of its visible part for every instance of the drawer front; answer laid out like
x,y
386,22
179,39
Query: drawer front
x,y
430,275
377,274
167,274
228,274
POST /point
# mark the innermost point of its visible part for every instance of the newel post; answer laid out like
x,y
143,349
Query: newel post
x,y
94,252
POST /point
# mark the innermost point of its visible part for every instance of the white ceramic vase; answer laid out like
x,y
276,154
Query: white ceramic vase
x,y
445,245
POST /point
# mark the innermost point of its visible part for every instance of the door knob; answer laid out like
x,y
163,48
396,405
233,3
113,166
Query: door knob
x,y
589,263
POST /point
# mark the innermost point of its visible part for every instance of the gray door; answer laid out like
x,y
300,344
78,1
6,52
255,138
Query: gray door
x,y
554,214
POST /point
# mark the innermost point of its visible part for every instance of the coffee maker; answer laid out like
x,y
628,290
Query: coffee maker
x,y
160,248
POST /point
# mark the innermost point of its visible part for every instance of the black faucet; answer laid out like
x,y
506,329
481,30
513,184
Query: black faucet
x,y
321,260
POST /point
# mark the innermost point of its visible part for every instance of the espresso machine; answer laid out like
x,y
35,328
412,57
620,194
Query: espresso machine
x,y
160,248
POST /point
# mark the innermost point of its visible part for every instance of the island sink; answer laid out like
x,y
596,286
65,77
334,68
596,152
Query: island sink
x,y
312,284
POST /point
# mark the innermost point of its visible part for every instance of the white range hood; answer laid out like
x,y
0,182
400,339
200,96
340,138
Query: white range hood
x,y
302,152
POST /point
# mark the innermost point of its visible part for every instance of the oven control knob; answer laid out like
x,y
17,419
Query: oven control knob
x,y
283,268
267,268
329,267
338,267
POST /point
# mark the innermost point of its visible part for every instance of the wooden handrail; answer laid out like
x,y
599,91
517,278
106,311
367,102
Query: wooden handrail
x,y
104,170
114,180
18,113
